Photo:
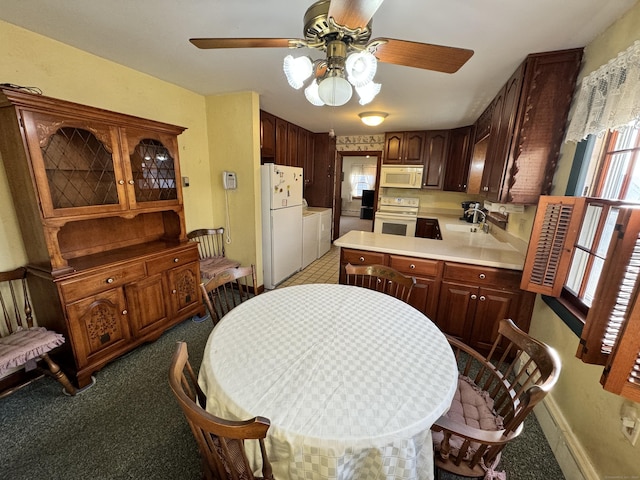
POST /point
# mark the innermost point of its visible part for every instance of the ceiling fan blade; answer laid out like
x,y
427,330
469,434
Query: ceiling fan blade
x,y
421,55
353,13
241,42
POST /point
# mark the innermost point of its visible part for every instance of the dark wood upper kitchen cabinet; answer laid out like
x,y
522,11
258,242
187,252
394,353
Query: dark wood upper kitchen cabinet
x,y
458,159
404,148
434,158
319,191
527,126
282,143
102,221
267,136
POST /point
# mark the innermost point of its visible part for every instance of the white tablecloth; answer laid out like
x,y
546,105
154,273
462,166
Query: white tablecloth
x,y
351,379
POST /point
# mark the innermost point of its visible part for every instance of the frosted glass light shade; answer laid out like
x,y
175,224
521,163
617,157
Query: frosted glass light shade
x,y
368,92
311,92
372,119
361,68
335,91
297,70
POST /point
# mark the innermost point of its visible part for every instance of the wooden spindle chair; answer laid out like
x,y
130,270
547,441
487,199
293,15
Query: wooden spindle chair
x,y
381,278
220,442
22,344
213,259
494,396
228,289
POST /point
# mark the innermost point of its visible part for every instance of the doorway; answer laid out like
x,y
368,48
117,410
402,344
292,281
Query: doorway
x,y
358,171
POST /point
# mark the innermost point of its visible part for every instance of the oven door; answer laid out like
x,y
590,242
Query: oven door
x,y
395,224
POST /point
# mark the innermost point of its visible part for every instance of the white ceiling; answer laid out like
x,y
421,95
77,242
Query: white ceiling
x,y
152,36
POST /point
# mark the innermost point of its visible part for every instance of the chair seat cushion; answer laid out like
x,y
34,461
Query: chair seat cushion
x,y
24,345
473,407
211,266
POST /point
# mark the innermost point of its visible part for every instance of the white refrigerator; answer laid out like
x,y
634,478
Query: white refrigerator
x,y
281,222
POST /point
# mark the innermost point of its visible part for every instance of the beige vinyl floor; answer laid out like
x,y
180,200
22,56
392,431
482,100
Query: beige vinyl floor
x,y
323,270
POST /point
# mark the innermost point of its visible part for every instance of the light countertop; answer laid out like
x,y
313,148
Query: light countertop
x,y
458,244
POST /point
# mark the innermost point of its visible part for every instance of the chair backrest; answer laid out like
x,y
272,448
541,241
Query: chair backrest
x,y
381,278
210,241
516,375
14,301
228,289
220,442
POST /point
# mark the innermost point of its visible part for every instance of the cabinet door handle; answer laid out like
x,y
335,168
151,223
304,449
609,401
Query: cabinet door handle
x,y
124,312
482,298
482,276
120,182
131,182
176,260
412,266
110,280
474,296
174,291
362,259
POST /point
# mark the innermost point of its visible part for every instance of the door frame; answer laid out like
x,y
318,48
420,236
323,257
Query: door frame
x,y
337,185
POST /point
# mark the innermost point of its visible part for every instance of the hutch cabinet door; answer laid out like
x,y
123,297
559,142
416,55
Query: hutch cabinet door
x,y
98,326
148,310
184,287
76,165
153,175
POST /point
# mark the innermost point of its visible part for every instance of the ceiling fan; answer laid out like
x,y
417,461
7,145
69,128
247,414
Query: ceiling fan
x,y
342,29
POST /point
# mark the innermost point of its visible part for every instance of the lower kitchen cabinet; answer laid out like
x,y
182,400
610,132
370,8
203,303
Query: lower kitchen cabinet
x,y
428,228
465,301
474,299
424,295
113,309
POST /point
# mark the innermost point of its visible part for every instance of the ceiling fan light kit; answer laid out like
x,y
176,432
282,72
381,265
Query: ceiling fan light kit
x,y
372,119
297,70
342,29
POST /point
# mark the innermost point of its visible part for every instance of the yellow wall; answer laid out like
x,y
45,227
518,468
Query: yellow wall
x,y
64,72
592,413
234,143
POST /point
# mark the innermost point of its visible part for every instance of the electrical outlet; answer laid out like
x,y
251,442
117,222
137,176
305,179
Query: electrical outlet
x,y
630,423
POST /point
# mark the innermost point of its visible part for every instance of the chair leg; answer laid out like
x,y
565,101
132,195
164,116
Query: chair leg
x,y
59,375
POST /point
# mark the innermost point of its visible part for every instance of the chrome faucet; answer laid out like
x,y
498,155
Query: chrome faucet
x,y
477,210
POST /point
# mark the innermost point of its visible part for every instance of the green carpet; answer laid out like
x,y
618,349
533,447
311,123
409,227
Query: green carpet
x,y
129,426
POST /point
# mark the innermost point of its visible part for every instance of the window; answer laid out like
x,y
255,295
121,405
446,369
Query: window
x,y
615,165
363,177
592,246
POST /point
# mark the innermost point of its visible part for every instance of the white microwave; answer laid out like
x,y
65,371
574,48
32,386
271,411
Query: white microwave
x,y
401,176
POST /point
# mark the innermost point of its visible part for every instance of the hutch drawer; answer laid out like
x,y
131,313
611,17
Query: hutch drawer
x,y
84,285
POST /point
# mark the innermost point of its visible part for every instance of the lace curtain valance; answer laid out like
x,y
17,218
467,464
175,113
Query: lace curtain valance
x,y
609,97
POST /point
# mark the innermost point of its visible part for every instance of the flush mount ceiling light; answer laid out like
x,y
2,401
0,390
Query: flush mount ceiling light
x,y
372,118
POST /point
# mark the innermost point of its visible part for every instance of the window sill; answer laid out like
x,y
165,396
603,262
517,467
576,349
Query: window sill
x,y
567,313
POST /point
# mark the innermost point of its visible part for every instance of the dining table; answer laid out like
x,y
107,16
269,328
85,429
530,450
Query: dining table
x,y
351,380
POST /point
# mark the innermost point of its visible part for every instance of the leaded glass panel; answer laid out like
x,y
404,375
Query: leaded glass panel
x,y
153,171
79,169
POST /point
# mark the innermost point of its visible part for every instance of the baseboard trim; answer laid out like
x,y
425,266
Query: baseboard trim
x,y
568,450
